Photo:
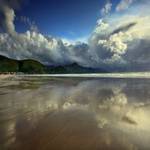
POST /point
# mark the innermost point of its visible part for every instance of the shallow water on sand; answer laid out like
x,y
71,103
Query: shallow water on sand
x,y
45,113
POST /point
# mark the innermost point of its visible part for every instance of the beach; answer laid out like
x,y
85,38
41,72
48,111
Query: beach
x,y
74,113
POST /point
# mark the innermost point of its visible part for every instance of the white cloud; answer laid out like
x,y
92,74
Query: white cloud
x,y
8,22
106,9
124,4
116,41
117,37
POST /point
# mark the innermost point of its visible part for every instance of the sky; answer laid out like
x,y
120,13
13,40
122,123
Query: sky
x,y
110,34
70,19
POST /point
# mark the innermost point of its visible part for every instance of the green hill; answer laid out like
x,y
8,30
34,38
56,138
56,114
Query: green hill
x,y
8,65
25,66
30,66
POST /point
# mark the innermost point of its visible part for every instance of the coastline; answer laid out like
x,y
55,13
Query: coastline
x,y
5,76
139,75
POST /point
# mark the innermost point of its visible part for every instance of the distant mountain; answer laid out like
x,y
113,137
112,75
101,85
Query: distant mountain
x,y
30,66
72,68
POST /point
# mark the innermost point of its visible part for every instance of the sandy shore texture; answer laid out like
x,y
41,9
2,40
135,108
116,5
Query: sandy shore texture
x,y
3,76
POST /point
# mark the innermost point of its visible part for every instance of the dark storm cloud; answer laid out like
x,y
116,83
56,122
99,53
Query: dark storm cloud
x,y
124,28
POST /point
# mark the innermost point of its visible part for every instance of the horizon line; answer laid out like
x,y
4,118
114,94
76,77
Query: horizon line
x,y
94,75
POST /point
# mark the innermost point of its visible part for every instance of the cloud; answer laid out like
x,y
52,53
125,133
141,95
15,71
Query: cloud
x,y
7,23
115,43
124,28
34,45
7,15
106,9
118,37
124,4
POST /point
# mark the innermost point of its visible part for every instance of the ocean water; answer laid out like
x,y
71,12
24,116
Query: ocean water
x,y
57,113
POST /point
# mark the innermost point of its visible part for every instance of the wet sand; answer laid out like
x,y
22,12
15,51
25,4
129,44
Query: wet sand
x,y
74,114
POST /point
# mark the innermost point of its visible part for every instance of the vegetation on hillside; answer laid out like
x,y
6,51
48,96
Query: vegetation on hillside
x,y
30,66
25,66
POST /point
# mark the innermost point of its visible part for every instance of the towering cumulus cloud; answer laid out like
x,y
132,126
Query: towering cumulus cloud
x,y
7,14
119,40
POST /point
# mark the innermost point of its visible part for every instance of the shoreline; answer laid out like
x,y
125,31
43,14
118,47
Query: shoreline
x,y
139,75
89,75
5,76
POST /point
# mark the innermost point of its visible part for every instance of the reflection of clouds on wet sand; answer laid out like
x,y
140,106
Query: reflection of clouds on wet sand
x,y
92,113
